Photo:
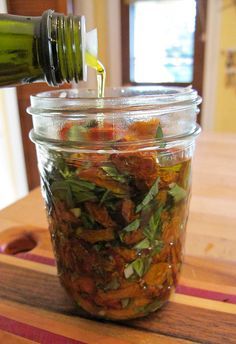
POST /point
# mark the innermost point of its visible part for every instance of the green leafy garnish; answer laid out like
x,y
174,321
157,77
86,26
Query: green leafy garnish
x,y
75,131
177,192
104,196
132,226
152,307
139,266
142,244
76,211
157,247
70,190
92,124
113,285
159,132
128,271
149,196
84,196
151,230
88,221
112,172
160,135
125,302
80,185
62,191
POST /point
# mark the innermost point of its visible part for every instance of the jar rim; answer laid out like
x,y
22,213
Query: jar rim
x,y
117,99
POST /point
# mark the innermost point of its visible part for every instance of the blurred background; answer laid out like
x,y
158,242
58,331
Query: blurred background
x,y
169,42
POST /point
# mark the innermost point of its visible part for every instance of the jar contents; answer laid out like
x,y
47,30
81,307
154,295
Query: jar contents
x,y
117,220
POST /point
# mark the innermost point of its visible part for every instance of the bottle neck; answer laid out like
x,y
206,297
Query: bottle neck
x,y
62,48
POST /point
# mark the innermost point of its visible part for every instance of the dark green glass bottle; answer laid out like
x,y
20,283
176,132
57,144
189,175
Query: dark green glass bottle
x,y
49,48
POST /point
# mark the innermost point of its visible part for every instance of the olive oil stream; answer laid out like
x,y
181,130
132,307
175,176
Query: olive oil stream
x,y
94,63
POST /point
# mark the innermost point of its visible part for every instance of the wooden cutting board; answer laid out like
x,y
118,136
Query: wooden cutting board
x,y
35,308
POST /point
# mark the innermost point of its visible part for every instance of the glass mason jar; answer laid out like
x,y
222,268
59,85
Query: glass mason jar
x,y
116,179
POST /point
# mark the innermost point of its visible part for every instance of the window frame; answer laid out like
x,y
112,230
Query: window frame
x,y
199,48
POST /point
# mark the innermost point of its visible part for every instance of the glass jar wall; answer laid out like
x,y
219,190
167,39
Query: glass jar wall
x,y
116,179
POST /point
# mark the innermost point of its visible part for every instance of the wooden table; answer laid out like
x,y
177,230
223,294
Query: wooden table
x,y
35,308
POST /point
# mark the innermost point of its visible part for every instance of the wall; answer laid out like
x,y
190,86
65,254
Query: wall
x,y
13,184
105,16
225,102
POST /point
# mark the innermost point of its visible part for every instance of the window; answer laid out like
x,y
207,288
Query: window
x,y
163,42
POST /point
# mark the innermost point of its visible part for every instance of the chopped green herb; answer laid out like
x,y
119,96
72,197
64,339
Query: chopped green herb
x,y
139,266
157,247
84,196
177,192
159,132
150,307
104,196
92,124
160,135
76,211
80,185
61,190
132,226
149,196
153,224
88,221
112,172
74,133
113,285
128,271
142,244
125,302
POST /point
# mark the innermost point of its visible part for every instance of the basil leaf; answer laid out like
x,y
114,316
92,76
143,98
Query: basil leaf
x,y
84,196
150,195
74,133
125,302
88,221
132,226
152,307
80,185
159,132
128,271
146,263
138,266
112,172
104,196
158,246
177,192
61,190
154,222
76,211
113,285
154,225
160,135
92,124
142,244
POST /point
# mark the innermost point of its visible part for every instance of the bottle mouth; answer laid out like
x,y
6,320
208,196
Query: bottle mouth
x,y
137,99
63,47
